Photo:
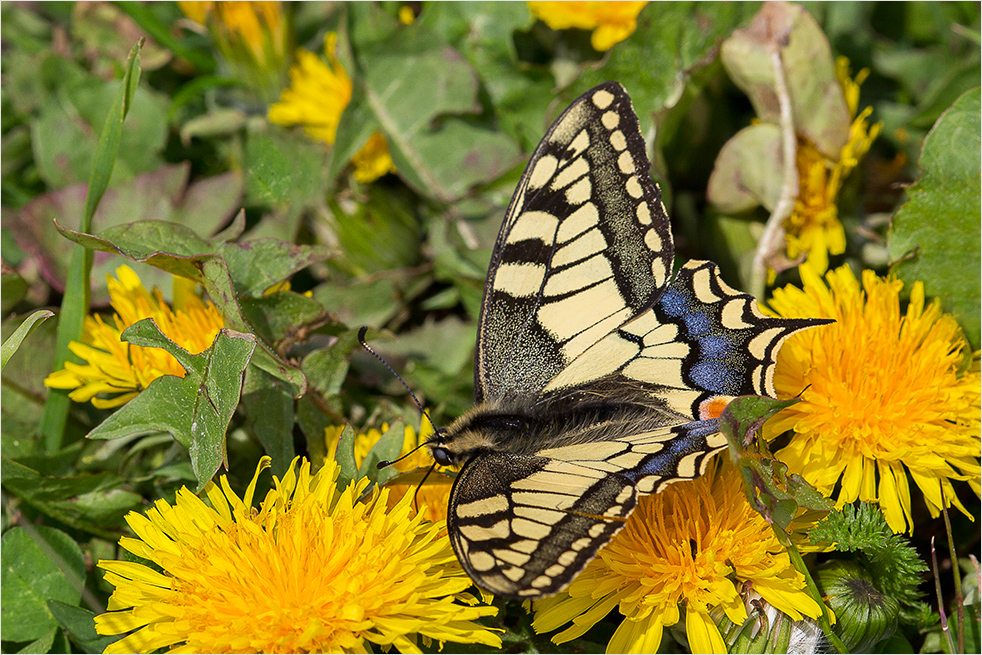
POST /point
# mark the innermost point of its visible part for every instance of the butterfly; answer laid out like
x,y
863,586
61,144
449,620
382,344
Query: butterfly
x,y
599,376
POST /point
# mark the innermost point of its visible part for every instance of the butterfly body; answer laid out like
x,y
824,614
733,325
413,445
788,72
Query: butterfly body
x,y
598,377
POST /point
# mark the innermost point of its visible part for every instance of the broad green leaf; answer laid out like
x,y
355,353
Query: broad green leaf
x,y
417,86
268,404
258,264
11,344
77,287
13,290
283,316
282,171
91,503
79,623
39,564
671,39
327,368
935,236
195,409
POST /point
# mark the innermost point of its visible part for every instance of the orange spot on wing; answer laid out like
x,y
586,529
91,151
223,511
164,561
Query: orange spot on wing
x,y
713,407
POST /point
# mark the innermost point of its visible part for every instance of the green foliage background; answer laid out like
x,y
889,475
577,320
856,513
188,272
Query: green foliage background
x,y
198,183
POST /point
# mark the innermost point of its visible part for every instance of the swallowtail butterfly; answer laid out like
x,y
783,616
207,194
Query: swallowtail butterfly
x,y
599,377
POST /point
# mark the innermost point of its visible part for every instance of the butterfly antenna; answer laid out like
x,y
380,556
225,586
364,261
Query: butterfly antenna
x,y
419,405
420,486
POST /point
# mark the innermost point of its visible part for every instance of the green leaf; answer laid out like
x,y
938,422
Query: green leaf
x,y
282,171
92,503
11,345
259,264
79,623
38,565
386,449
14,288
671,38
77,288
282,316
326,368
345,457
268,404
935,236
417,87
195,409
178,250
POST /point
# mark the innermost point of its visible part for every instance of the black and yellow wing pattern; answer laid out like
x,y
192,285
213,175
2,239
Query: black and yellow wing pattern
x,y
598,376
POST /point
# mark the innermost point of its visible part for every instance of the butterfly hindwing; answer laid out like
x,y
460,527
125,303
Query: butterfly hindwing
x,y
701,341
585,245
524,525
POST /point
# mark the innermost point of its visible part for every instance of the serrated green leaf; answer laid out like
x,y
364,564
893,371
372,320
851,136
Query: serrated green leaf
x,y
11,344
935,236
41,565
258,264
195,409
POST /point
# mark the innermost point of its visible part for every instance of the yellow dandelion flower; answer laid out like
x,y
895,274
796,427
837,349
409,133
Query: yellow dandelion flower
x,y
698,543
318,94
814,229
113,366
432,497
611,22
313,570
253,37
881,394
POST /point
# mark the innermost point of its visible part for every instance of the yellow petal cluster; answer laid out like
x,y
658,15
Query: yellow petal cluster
x,y
317,97
252,36
695,544
115,371
882,395
313,570
813,230
611,22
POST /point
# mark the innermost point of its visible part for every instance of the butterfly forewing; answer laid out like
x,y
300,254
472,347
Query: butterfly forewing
x,y
585,246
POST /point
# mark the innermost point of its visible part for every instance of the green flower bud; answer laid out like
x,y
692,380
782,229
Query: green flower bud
x,y
864,615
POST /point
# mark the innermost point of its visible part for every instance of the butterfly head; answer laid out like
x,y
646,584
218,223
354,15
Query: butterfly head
x,y
482,430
